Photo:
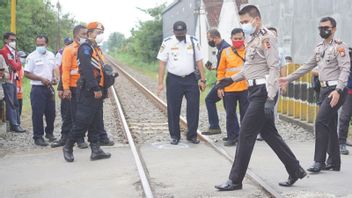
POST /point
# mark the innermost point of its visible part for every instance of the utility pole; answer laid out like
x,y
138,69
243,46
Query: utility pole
x,y
13,16
58,6
198,12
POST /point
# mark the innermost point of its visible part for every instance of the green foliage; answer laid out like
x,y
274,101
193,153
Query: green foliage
x,y
145,38
116,41
36,17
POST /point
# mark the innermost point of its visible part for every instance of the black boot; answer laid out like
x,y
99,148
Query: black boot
x,y
68,150
98,153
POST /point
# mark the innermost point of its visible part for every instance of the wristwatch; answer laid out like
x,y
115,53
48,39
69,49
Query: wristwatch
x,y
339,91
203,81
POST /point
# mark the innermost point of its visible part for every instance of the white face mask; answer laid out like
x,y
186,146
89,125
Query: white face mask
x,y
82,40
248,28
13,44
99,39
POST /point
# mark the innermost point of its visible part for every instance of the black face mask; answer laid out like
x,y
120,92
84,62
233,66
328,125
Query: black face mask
x,y
325,33
211,43
181,38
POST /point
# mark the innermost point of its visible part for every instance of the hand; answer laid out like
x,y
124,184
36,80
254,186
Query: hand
x,y
335,96
160,89
201,85
98,94
54,82
283,82
224,83
208,65
45,82
67,94
269,108
221,93
60,94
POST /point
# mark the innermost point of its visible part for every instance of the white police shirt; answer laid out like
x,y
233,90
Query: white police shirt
x,y
179,55
42,65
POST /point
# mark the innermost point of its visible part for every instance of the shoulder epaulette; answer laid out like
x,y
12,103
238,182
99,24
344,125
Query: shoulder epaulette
x,y
168,38
263,31
194,38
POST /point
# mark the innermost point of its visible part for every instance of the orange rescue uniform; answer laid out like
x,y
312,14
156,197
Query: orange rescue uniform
x,y
70,73
229,65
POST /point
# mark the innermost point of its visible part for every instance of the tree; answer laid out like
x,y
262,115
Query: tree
x,y
35,17
116,41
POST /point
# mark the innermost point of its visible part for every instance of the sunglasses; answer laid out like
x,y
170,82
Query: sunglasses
x,y
324,27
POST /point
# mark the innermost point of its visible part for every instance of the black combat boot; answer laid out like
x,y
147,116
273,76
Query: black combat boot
x,y
97,152
68,150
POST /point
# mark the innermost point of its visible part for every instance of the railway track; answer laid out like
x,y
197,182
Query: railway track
x,y
145,126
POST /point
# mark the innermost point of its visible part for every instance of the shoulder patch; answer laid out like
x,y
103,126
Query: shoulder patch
x,y
341,51
162,47
266,43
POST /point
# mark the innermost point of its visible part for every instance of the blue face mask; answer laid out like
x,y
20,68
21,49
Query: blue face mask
x,y
41,49
248,28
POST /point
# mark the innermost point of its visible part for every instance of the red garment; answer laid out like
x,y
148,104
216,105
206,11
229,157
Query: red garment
x,y
12,61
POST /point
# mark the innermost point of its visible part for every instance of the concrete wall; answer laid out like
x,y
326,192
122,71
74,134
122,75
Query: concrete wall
x,y
297,22
181,10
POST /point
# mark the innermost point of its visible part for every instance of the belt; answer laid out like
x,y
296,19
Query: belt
x,y
234,69
182,76
254,82
328,83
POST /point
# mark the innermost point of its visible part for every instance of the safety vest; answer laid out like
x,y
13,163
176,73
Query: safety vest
x,y
97,61
231,64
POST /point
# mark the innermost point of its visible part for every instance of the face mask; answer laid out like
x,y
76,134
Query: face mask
x,y
248,28
99,39
211,43
181,38
237,44
82,40
13,44
41,49
325,33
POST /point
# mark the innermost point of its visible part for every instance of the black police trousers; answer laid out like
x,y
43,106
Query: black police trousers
x,y
326,140
255,122
176,88
88,115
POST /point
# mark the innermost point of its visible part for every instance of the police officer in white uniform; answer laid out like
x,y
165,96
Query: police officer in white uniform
x,y
181,56
40,70
333,62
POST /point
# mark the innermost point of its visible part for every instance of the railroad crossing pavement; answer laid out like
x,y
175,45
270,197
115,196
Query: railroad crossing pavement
x,y
326,184
185,171
46,174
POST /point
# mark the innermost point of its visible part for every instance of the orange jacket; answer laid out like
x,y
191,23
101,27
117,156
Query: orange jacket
x,y
229,65
70,73
97,57
19,84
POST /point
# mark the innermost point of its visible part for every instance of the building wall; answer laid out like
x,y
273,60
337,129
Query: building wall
x,y
180,10
297,22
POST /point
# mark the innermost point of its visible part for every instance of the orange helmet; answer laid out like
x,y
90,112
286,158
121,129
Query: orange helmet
x,y
95,25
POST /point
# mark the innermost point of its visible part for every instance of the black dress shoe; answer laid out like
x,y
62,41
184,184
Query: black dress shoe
x,y
332,167
316,167
228,186
230,142
225,139
106,142
212,132
82,144
292,179
193,140
40,142
50,137
174,141
17,129
60,142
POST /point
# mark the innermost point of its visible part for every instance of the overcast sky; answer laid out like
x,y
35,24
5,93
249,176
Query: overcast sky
x,y
116,15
